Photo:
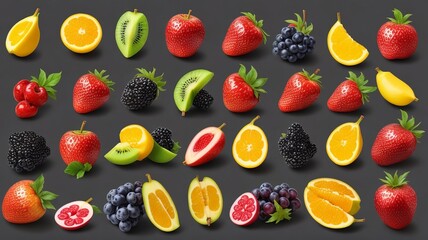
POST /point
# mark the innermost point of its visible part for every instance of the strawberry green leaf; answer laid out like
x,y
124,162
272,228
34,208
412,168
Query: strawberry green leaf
x,y
49,196
37,185
48,205
410,125
300,24
280,214
399,18
258,24
361,82
45,196
312,77
103,78
251,78
395,181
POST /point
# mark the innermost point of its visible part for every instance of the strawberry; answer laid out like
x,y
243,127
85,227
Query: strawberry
x,y
395,201
244,35
184,35
91,91
26,202
301,90
351,94
241,91
396,142
80,150
397,39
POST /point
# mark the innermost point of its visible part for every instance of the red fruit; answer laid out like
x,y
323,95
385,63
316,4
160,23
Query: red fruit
x,y
19,89
80,150
74,215
25,202
184,34
396,142
241,90
397,39
245,210
91,91
301,91
24,109
244,35
35,94
396,201
205,146
350,95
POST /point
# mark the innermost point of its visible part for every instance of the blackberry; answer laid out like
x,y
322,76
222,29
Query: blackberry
x,y
163,137
294,42
27,151
203,100
295,146
142,90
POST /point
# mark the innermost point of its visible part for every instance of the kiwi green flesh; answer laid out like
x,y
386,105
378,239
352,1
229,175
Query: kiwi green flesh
x,y
131,33
160,154
122,154
188,86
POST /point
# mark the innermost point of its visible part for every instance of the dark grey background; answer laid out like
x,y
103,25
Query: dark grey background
x,y
361,18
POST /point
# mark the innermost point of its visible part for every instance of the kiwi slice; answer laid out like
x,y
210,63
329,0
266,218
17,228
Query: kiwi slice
x,y
188,86
122,154
131,34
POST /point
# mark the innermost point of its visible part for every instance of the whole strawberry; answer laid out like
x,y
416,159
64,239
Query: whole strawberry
x,y
91,91
351,94
397,39
396,142
244,35
80,150
395,201
26,202
301,91
184,35
241,91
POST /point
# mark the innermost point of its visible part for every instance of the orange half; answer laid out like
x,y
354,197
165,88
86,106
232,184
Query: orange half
x,y
81,33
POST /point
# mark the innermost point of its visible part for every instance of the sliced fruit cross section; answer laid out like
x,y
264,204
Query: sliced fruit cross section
x,y
138,137
159,206
81,33
205,200
23,38
245,210
74,215
250,146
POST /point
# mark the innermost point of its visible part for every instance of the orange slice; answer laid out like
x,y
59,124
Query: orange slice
x,y
343,48
81,33
138,137
332,203
345,143
250,146
205,200
159,206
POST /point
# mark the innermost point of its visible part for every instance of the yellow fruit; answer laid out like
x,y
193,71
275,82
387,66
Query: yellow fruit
x,y
393,89
159,206
138,137
23,38
250,146
205,200
332,203
81,33
345,143
343,48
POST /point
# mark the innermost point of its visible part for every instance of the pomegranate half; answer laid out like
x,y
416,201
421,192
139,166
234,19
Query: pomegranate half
x,y
205,146
74,215
245,210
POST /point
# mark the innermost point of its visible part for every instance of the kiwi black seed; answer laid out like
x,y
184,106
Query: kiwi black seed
x,y
131,34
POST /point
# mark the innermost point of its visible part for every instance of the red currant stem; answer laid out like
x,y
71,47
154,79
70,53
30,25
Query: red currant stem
x,y
221,126
338,16
317,71
89,200
188,14
82,126
36,12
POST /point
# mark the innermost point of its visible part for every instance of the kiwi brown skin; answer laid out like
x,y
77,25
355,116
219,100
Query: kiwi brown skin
x,y
122,154
188,86
132,30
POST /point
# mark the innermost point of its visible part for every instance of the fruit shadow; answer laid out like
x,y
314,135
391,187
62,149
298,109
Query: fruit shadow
x,y
254,55
138,55
143,227
200,112
411,60
252,113
217,163
313,164
354,228
154,109
357,164
199,56
409,163
411,229
94,55
265,168
295,219
44,224
39,170
30,58
314,108
42,111
365,111
100,111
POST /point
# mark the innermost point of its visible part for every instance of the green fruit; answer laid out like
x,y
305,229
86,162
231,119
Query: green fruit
x,y
122,154
132,30
160,154
188,86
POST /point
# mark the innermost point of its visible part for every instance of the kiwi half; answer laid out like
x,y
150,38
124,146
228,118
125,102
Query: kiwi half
x,y
131,33
122,154
188,86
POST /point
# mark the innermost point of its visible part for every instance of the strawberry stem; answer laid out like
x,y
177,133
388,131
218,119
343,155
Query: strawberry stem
x,y
221,126
188,14
317,71
82,126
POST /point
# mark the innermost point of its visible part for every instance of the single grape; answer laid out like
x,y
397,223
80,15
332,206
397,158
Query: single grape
x,y
131,197
139,199
125,226
288,42
293,48
275,51
267,185
113,219
292,58
110,194
263,216
285,185
284,202
275,43
118,200
264,193
297,37
277,188
138,184
256,192
293,30
134,221
286,32
295,204
301,48
122,214
108,208
269,208
293,193
134,211
281,45
279,38
122,190
274,196
137,190
300,55
261,204
129,186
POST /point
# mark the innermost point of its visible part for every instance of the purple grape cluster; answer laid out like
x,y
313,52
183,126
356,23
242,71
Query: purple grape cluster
x,y
124,207
283,194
